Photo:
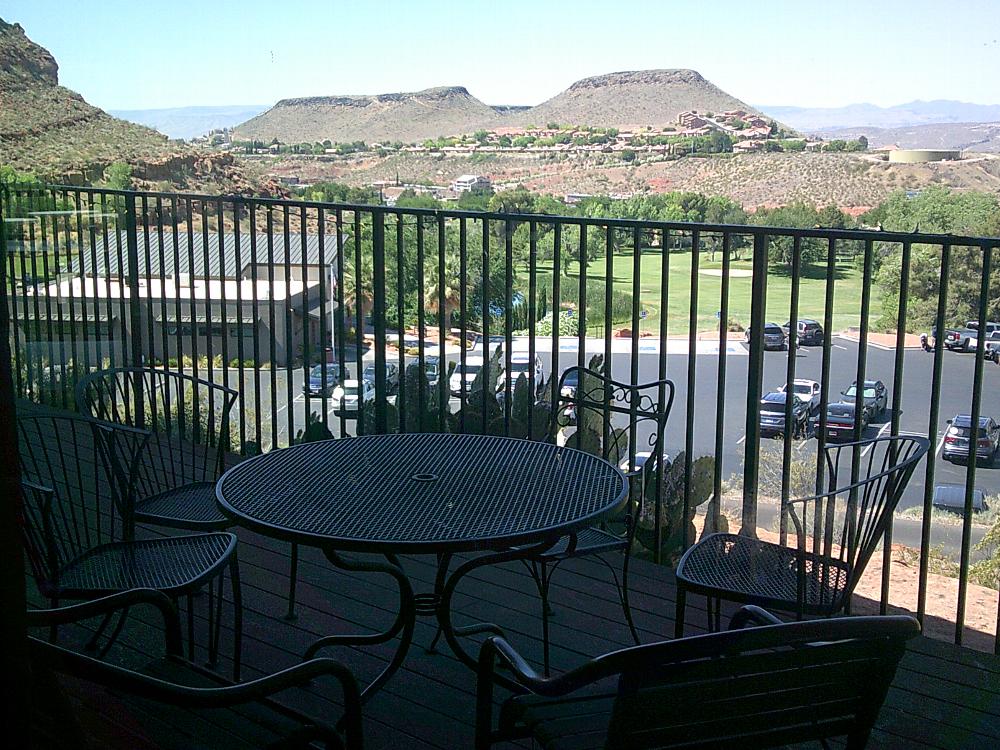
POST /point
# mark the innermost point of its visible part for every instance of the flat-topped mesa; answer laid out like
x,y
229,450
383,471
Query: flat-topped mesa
x,y
625,77
441,93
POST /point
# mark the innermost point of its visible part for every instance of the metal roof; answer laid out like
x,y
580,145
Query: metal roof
x,y
155,260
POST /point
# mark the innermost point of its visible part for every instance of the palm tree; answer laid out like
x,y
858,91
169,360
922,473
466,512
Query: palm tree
x,y
451,291
358,293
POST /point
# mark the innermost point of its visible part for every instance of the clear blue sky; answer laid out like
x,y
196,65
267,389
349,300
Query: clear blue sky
x,y
137,54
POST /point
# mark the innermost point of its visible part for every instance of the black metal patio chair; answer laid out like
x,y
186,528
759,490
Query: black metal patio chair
x,y
609,419
836,533
747,687
79,528
190,422
189,419
183,705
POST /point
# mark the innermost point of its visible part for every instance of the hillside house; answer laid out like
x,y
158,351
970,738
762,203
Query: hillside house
x,y
691,120
469,182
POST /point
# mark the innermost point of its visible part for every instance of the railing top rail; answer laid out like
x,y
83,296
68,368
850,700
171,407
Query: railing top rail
x,y
683,226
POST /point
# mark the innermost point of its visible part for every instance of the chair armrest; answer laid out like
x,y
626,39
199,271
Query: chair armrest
x,y
112,603
224,696
751,614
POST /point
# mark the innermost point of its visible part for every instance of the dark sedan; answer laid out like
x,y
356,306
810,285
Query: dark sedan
x,y
874,395
956,439
772,416
320,383
840,422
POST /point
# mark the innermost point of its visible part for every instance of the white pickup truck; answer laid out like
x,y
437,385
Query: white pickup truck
x,y
966,339
993,347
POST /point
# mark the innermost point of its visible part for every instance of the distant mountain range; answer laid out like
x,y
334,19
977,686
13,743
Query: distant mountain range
x,y
643,98
190,122
815,119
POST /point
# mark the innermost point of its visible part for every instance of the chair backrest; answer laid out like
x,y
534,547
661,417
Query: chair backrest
x,y
611,419
78,470
758,687
865,481
189,419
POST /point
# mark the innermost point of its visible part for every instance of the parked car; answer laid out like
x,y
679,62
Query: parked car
x,y
391,375
570,382
318,384
772,416
346,396
520,364
956,439
463,376
432,369
808,332
840,421
875,396
641,457
806,391
992,352
966,339
496,342
774,337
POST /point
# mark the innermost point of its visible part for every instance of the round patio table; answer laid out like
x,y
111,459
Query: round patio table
x,y
421,493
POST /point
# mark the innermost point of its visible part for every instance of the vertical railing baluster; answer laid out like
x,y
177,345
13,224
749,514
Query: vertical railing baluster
x,y
444,325
378,318
824,390
974,436
237,207
463,271
554,307
897,405
715,509
508,340
340,318
255,313
532,320
324,332
692,362
932,436
485,312
401,324
755,376
793,345
272,325
359,323
421,333
305,319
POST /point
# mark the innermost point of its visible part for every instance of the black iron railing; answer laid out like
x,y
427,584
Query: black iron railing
x,y
270,296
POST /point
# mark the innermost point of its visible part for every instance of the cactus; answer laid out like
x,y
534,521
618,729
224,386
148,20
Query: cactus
x,y
675,529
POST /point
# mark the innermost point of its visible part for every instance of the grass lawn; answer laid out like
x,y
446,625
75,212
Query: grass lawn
x,y
812,290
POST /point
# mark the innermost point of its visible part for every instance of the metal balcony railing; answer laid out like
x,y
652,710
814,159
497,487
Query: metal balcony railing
x,y
282,299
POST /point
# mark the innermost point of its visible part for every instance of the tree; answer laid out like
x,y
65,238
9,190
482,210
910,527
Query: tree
x,y
450,291
937,210
118,176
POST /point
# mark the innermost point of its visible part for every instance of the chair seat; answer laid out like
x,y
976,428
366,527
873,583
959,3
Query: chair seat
x,y
579,723
754,571
589,541
173,563
191,506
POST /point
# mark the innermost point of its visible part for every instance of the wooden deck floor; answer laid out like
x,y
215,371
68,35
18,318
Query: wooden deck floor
x,y
943,696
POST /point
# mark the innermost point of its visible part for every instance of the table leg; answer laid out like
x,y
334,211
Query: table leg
x,y
451,632
403,625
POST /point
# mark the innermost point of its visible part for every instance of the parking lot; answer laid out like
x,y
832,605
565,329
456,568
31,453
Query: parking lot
x,y
956,398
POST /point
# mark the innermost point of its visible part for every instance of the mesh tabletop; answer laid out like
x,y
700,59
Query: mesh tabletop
x,y
421,492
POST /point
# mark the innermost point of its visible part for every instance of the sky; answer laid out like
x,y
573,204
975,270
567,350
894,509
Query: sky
x,y
137,54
